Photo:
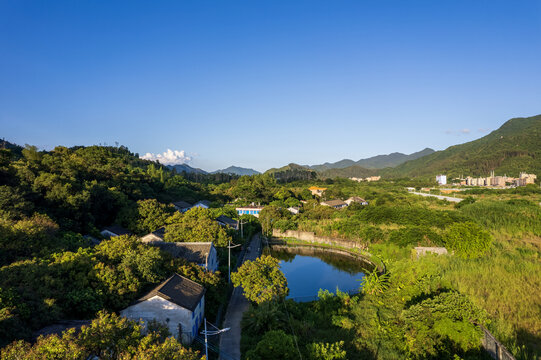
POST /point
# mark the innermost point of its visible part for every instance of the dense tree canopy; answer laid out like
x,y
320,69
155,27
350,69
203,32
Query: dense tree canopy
x,y
261,279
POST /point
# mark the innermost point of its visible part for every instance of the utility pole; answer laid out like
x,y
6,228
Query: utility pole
x,y
229,260
210,333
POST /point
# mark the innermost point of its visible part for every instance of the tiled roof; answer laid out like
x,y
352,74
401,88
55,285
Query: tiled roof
x,y
333,203
178,290
196,252
117,229
226,220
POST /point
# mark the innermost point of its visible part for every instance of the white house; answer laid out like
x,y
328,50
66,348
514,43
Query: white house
x,y
337,204
114,230
178,302
294,210
356,199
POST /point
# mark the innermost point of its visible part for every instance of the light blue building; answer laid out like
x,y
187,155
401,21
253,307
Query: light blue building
x,y
249,210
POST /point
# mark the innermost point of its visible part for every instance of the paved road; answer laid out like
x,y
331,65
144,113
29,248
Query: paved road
x,y
441,197
230,341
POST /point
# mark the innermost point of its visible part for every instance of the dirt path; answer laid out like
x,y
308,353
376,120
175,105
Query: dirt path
x,y
230,341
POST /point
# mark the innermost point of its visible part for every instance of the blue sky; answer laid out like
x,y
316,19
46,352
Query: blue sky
x,y
264,83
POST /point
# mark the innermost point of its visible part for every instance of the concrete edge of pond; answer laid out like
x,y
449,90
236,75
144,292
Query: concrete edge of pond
x,y
361,255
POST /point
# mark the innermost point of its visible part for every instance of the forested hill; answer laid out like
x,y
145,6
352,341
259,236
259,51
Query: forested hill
x,y
292,172
83,188
49,199
514,147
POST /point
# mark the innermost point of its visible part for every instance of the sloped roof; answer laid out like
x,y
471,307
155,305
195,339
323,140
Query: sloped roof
x,y
203,202
182,204
117,229
178,290
226,220
357,199
316,188
333,203
196,252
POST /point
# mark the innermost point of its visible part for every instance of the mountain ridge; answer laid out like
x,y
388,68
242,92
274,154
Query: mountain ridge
x,y
514,147
237,170
374,162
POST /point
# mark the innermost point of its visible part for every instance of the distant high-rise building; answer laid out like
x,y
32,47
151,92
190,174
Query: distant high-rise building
x,y
441,179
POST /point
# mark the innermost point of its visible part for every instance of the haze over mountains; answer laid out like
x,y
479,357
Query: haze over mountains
x,y
375,162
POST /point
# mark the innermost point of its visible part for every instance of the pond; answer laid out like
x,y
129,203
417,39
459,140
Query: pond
x,y
309,269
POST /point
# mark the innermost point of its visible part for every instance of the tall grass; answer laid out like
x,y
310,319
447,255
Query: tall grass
x,y
513,217
506,282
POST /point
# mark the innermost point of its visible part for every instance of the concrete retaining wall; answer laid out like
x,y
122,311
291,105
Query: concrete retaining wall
x,y
313,238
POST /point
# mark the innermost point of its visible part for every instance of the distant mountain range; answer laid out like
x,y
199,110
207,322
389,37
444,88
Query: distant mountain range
x,y
232,170
236,170
514,147
180,168
375,162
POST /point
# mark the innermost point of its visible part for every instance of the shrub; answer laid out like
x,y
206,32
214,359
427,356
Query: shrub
x,y
468,239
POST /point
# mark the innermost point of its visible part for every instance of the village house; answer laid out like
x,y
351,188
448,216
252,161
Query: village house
x,y
205,204
182,206
201,253
228,222
337,204
294,210
317,191
178,303
356,199
114,230
249,210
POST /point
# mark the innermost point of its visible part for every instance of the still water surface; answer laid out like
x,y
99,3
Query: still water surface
x,y
308,270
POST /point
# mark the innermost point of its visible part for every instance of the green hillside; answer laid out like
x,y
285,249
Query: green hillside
x,y
292,172
350,171
514,147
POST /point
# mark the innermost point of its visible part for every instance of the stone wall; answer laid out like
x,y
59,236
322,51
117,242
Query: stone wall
x,y
313,238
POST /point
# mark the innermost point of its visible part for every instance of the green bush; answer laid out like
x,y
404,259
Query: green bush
x,y
275,344
468,239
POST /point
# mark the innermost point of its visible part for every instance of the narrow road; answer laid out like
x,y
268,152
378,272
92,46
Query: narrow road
x,y
441,197
230,340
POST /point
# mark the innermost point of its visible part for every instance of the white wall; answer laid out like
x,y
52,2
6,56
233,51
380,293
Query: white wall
x,y
168,313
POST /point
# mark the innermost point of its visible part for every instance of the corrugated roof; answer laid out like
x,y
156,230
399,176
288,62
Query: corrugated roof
x,y
178,290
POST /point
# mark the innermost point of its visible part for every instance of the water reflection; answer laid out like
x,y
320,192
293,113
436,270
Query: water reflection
x,y
309,269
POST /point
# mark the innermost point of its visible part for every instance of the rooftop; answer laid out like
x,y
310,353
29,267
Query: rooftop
x,y
333,203
117,229
178,290
196,252
182,204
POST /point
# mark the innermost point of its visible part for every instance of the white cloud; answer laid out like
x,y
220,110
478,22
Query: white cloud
x,y
169,157
465,131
